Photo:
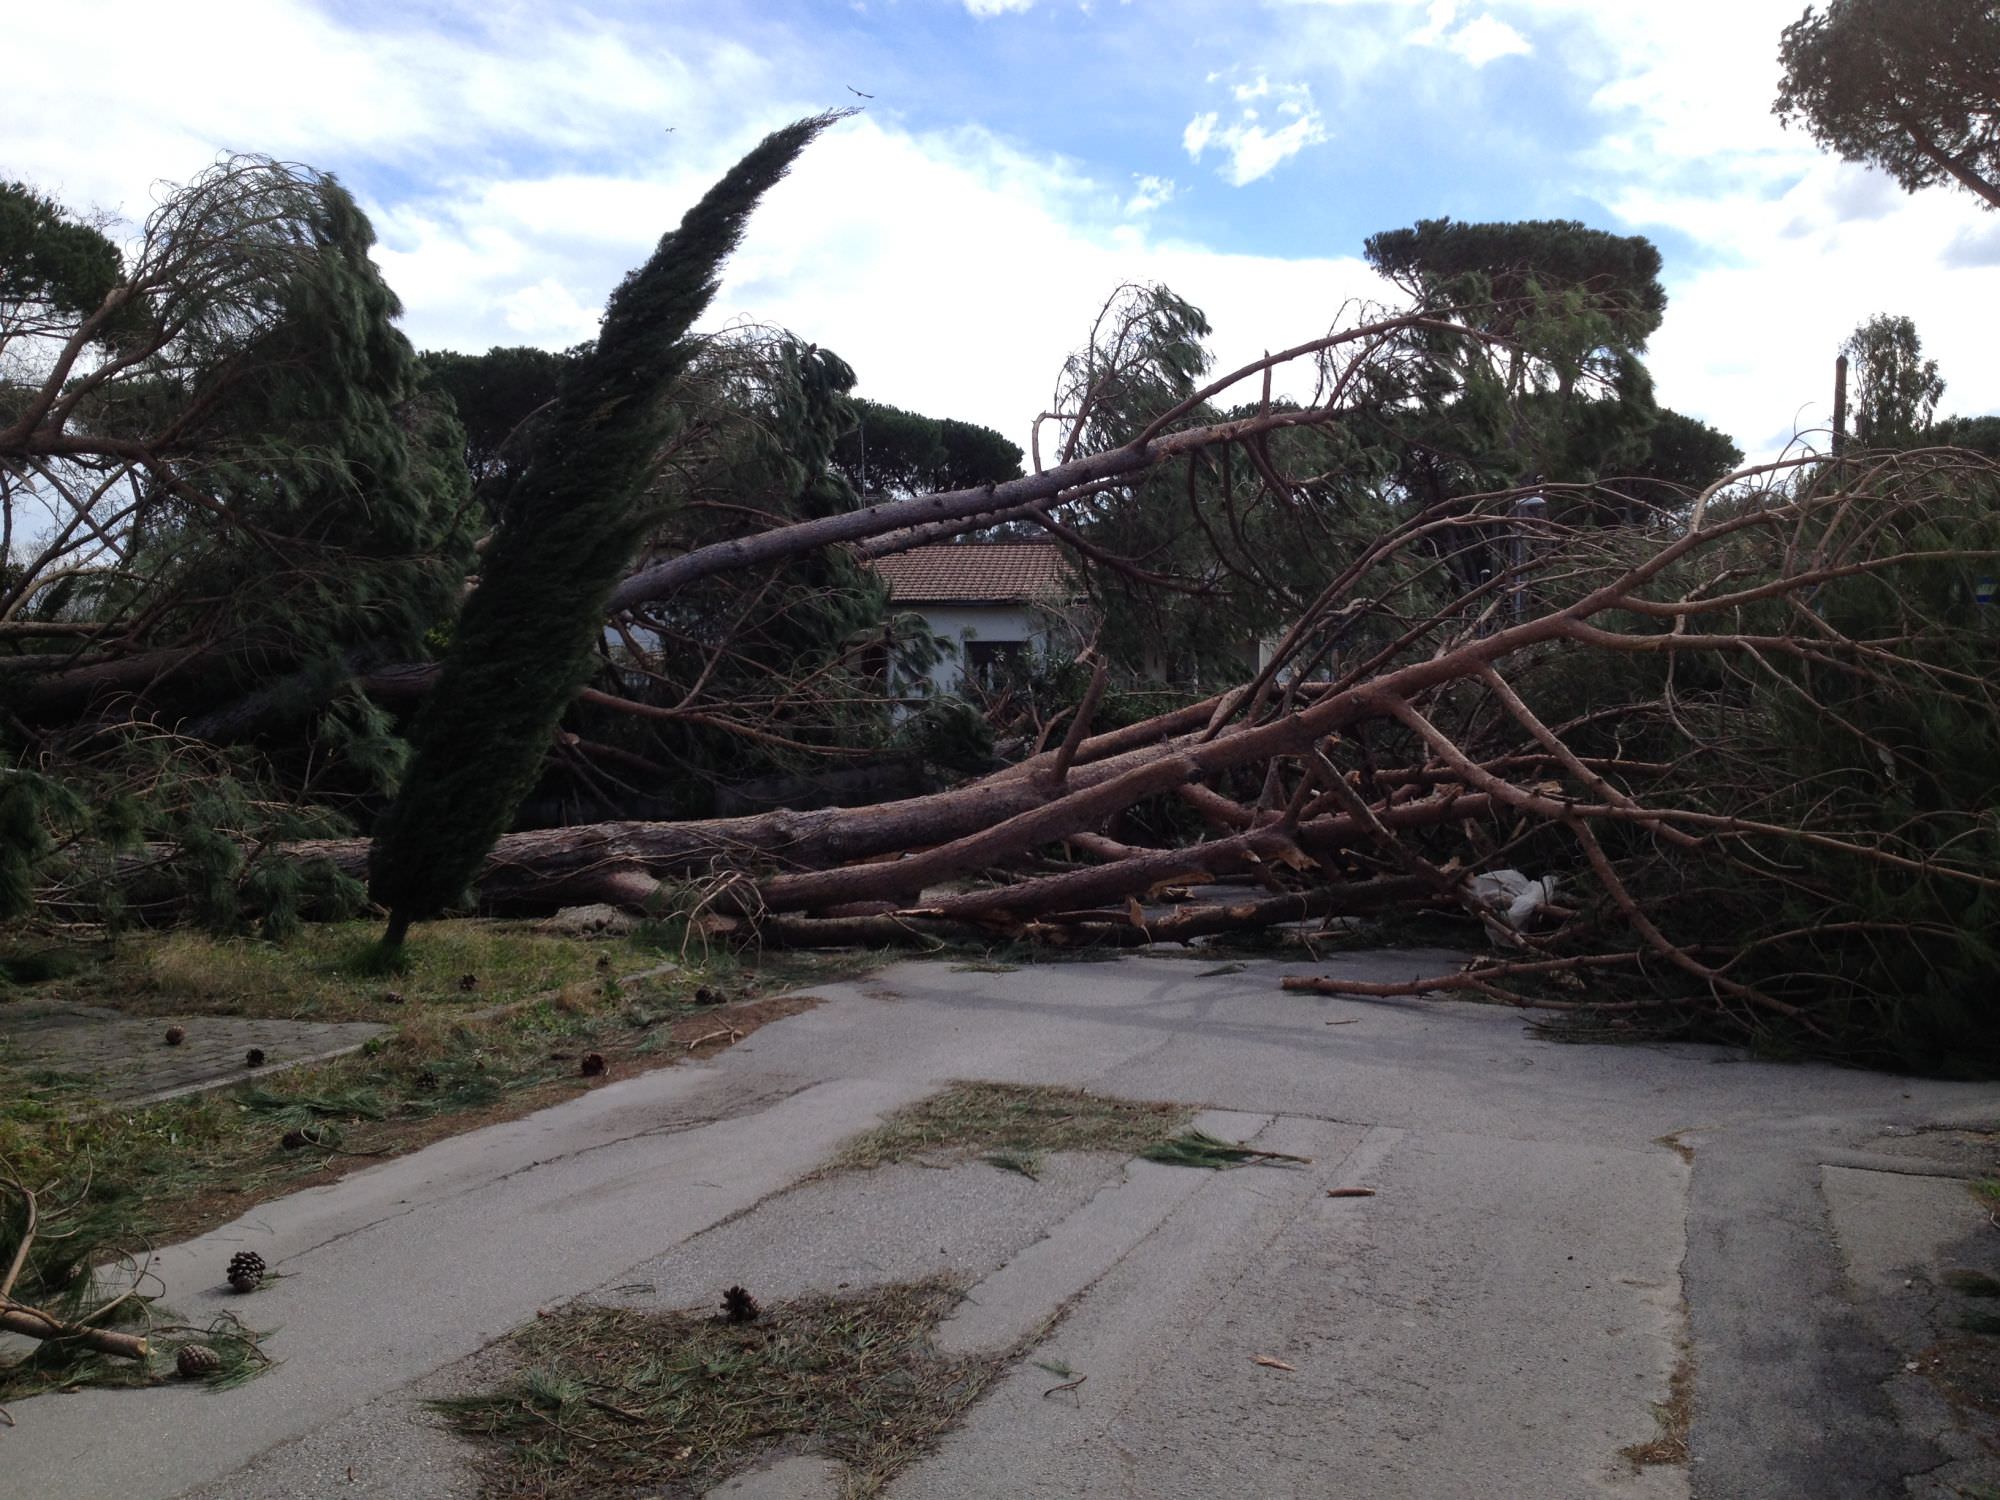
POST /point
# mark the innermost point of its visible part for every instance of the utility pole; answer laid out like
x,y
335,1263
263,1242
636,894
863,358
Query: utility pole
x,y
1839,405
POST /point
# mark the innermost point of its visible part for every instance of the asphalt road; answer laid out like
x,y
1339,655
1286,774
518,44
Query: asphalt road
x,y
1554,1230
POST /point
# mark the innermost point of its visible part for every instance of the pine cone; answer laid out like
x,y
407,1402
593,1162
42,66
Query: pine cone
x,y
468,982
254,1058
197,1361
428,1081
603,962
592,1065
305,1135
246,1271
392,997
176,1035
738,1306
707,996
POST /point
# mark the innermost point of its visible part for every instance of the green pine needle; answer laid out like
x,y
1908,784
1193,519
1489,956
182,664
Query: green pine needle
x,y
1197,1148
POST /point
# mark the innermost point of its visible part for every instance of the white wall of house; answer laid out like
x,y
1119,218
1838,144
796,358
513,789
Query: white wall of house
x,y
958,624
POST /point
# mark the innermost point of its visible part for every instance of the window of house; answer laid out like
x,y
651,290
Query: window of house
x,y
986,660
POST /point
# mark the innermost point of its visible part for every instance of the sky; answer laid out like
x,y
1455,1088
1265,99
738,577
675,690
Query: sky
x,y
1012,162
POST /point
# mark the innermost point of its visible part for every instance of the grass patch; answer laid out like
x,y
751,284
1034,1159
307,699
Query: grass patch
x,y
461,1056
331,972
622,1402
187,1164
37,966
458,1058
1675,1416
361,1103
1017,1121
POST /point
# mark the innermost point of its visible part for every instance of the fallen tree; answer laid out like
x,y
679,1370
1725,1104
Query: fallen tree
x,y
1754,742
1729,754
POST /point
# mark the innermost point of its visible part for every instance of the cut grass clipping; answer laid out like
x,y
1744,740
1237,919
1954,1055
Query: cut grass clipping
x,y
616,1402
1012,1126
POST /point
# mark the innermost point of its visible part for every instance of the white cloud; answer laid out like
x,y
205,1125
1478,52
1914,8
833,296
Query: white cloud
x,y
531,166
1749,342
1149,193
1483,40
1200,131
1864,194
977,332
1436,23
1790,248
284,78
982,333
1972,246
985,8
1253,150
546,313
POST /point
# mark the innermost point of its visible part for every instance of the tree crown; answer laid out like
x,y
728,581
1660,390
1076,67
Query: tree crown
x,y
1910,86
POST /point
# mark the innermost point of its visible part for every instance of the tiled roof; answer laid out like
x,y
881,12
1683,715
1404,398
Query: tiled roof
x,y
979,573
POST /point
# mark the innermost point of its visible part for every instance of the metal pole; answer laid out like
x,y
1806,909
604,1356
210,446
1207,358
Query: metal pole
x,y
1526,512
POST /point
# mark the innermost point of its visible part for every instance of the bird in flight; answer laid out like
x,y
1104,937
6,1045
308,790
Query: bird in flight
x,y
857,92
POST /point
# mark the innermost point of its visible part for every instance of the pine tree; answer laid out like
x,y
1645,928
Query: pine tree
x,y
524,640
295,510
47,258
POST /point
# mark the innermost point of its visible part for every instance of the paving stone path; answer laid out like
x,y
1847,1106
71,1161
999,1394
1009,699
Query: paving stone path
x,y
126,1059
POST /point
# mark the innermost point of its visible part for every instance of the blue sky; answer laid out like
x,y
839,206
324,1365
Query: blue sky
x,y
1021,158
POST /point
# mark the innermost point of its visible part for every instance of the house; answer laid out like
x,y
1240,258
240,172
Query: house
x,y
989,601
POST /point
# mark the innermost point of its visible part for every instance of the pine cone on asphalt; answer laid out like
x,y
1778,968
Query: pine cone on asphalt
x,y
176,1035
197,1361
254,1058
246,1271
738,1306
